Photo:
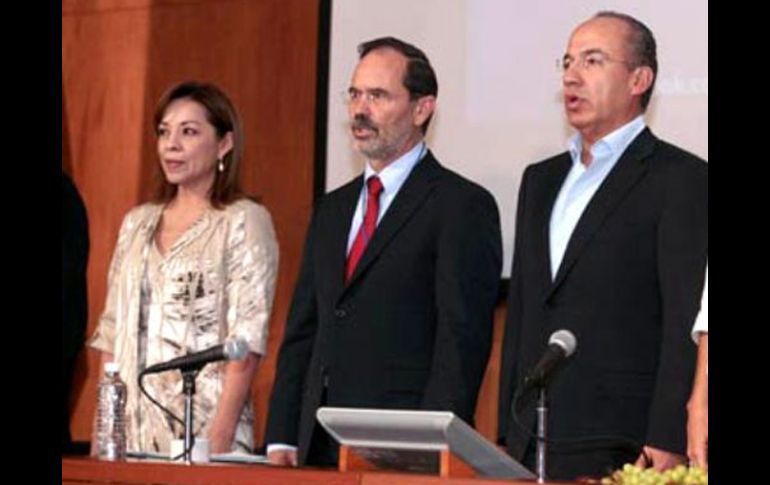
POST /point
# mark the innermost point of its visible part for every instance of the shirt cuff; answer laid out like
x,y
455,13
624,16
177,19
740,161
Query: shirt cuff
x,y
279,447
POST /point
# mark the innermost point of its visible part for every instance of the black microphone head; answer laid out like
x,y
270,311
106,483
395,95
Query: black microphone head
x,y
564,339
235,349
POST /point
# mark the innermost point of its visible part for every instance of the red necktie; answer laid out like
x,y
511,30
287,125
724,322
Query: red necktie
x,y
366,230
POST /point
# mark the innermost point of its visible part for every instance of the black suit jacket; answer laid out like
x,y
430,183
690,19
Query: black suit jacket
x,y
628,287
413,327
74,315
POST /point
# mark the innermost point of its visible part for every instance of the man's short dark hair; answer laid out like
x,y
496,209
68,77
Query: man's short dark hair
x,y
420,79
641,46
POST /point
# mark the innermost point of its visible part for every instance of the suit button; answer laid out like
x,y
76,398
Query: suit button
x,y
340,313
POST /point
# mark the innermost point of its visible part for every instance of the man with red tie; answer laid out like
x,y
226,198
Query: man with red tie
x,y
394,302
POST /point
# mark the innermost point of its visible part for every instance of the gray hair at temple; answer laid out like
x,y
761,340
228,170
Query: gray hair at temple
x,y
641,46
419,79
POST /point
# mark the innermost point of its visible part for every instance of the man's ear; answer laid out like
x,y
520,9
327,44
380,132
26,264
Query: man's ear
x,y
423,109
641,80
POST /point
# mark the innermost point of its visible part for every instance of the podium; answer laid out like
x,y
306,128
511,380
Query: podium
x,y
89,471
435,442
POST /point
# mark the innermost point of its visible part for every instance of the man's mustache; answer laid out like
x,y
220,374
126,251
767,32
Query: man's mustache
x,y
363,121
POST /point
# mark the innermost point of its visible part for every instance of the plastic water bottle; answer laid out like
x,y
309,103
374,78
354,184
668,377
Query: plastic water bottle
x,y
110,426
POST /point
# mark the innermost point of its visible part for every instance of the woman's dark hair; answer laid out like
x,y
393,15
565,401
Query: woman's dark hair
x,y
223,116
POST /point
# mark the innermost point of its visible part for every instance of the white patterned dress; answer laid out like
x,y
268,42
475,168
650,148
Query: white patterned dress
x,y
216,282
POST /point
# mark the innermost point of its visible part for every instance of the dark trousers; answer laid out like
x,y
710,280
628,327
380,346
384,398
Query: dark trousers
x,y
572,462
323,450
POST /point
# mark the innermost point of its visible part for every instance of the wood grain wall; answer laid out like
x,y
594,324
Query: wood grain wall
x,y
119,56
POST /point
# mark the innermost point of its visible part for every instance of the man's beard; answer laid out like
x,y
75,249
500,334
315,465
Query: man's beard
x,y
375,147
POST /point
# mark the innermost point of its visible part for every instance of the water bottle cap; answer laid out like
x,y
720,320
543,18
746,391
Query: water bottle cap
x,y
111,367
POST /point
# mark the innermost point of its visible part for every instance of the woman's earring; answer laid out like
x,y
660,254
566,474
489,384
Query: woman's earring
x,y
221,165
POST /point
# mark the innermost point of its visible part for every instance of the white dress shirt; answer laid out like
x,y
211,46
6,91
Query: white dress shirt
x,y
702,322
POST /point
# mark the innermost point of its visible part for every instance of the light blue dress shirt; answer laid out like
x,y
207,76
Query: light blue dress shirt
x,y
582,183
392,177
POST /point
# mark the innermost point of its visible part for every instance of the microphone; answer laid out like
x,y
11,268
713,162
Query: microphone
x,y
561,345
234,349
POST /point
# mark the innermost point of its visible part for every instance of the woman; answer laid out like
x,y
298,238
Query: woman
x,y
193,268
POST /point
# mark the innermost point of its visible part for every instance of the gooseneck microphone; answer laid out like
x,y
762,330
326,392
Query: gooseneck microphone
x,y
234,349
561,345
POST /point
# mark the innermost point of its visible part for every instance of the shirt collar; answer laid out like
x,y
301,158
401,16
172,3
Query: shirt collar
x,y
611,145
396,172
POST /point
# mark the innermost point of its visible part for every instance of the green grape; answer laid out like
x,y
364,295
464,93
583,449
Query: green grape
x,y
680,475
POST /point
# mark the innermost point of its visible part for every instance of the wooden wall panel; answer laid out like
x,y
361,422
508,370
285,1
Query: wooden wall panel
x,y
66,158
118,57
486,407
103,78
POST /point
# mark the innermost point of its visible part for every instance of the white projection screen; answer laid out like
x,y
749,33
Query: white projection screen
x,y
499,106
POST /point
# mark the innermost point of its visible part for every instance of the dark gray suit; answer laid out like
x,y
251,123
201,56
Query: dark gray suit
x,y
413,327
628,287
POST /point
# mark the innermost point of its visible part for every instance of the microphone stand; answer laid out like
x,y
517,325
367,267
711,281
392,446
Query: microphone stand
x,y
188,377
542,416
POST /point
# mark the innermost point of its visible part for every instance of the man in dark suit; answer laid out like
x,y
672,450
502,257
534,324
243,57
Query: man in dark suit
x,y
74,257
394,302
611,243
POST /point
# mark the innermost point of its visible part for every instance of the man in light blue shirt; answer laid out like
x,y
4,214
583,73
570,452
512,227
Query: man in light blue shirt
x,y
611,243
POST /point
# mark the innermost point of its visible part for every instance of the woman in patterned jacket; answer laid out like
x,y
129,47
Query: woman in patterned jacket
x,y
192,269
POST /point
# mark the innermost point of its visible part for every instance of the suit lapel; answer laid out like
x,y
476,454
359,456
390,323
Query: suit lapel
x,y
552,182
340,222
411,196
627,172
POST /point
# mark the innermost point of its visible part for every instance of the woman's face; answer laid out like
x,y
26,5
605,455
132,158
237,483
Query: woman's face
x,y
188,146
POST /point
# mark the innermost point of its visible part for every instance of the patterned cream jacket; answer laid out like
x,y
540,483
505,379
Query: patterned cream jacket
x,y
217,281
